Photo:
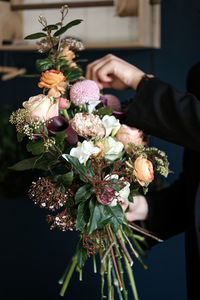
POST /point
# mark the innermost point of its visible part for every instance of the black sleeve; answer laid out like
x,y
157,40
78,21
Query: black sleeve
x,y
167,210
160,110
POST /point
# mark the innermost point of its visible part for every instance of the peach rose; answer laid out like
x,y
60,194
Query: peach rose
x,y
143,170
68,54
41,107
54,81
128,134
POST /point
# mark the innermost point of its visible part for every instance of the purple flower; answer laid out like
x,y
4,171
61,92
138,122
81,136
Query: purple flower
x,y
60,124
106,197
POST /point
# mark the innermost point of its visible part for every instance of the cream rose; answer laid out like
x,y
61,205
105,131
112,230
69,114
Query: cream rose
x,y
84,151
112,148
127,135
143,170
41,107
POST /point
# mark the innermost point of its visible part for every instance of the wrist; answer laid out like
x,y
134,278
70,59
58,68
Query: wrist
x,y
143,80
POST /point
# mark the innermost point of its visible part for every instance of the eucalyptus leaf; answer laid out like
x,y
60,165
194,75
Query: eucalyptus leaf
x,y
66,27
35,147
35,36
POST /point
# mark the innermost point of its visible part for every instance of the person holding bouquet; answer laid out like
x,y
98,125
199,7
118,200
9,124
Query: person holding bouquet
x,y
161,110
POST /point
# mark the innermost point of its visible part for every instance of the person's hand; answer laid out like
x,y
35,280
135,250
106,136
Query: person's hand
x,y
112,72
138,210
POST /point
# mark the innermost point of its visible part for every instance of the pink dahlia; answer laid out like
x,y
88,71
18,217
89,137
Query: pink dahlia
x,y
85,91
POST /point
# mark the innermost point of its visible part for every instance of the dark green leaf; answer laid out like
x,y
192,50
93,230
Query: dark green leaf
x,y
35,36
43,65
81,255
83,193
81,169
98,218
117,216
83,215
66,27
50,27
25,164
20,136
67,178
35,147
73,75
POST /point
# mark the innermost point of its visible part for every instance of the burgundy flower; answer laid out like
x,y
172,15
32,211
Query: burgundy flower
x,y
60,124
106,197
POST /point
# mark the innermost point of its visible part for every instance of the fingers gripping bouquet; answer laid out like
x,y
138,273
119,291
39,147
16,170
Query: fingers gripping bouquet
x,y
92,163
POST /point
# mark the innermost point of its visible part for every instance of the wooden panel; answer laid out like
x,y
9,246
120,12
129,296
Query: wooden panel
x,y
101,28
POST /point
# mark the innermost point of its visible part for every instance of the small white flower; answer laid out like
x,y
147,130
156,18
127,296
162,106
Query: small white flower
x,y
112,148
91,106
111,124
84,151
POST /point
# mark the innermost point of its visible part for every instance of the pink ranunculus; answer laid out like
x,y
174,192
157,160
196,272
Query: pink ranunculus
x,y
143,170
41,107
128,134
63,103
111,101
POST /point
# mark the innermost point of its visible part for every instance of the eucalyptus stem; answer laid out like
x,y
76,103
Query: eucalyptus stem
x,y
69,275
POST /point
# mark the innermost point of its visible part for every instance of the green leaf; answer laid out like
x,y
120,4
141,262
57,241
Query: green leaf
x,y
35,147
20,136
43,65
66,27
81,255
35,36
50,27
83,215
67,178
104,111
73,75
25,164
96,214
60,137
83,193
81,169
117,216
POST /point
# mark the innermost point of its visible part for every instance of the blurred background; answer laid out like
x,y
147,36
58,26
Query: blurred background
x,y
32,257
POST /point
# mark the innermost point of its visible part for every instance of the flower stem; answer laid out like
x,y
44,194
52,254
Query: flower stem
x,y
65,113
110,287
69,275
94,264
122,278
131,278
115,281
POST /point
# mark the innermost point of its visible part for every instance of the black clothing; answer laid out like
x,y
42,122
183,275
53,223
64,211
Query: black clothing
x,y
160,110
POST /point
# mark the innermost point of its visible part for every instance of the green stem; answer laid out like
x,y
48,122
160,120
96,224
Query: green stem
x,y
116,283
65,113
94,264
121,271
131,278
102,272
69,275
110,293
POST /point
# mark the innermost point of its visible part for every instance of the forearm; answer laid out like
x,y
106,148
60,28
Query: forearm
x,y
162,111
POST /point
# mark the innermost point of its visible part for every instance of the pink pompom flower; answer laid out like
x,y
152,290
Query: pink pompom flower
x,y
85,91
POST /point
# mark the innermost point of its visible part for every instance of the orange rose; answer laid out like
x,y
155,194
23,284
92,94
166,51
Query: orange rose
x,y
68,54
54,81
143,170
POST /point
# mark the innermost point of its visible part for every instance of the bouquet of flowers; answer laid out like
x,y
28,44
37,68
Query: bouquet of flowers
x,y
90,163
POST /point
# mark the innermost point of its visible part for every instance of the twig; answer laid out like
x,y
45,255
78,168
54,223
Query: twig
x,y
141,230
124,249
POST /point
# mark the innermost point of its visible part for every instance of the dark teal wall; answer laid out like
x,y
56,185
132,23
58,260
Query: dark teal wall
x,y
32,257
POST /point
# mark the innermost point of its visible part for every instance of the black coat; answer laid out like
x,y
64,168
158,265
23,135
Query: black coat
x,y
160,110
